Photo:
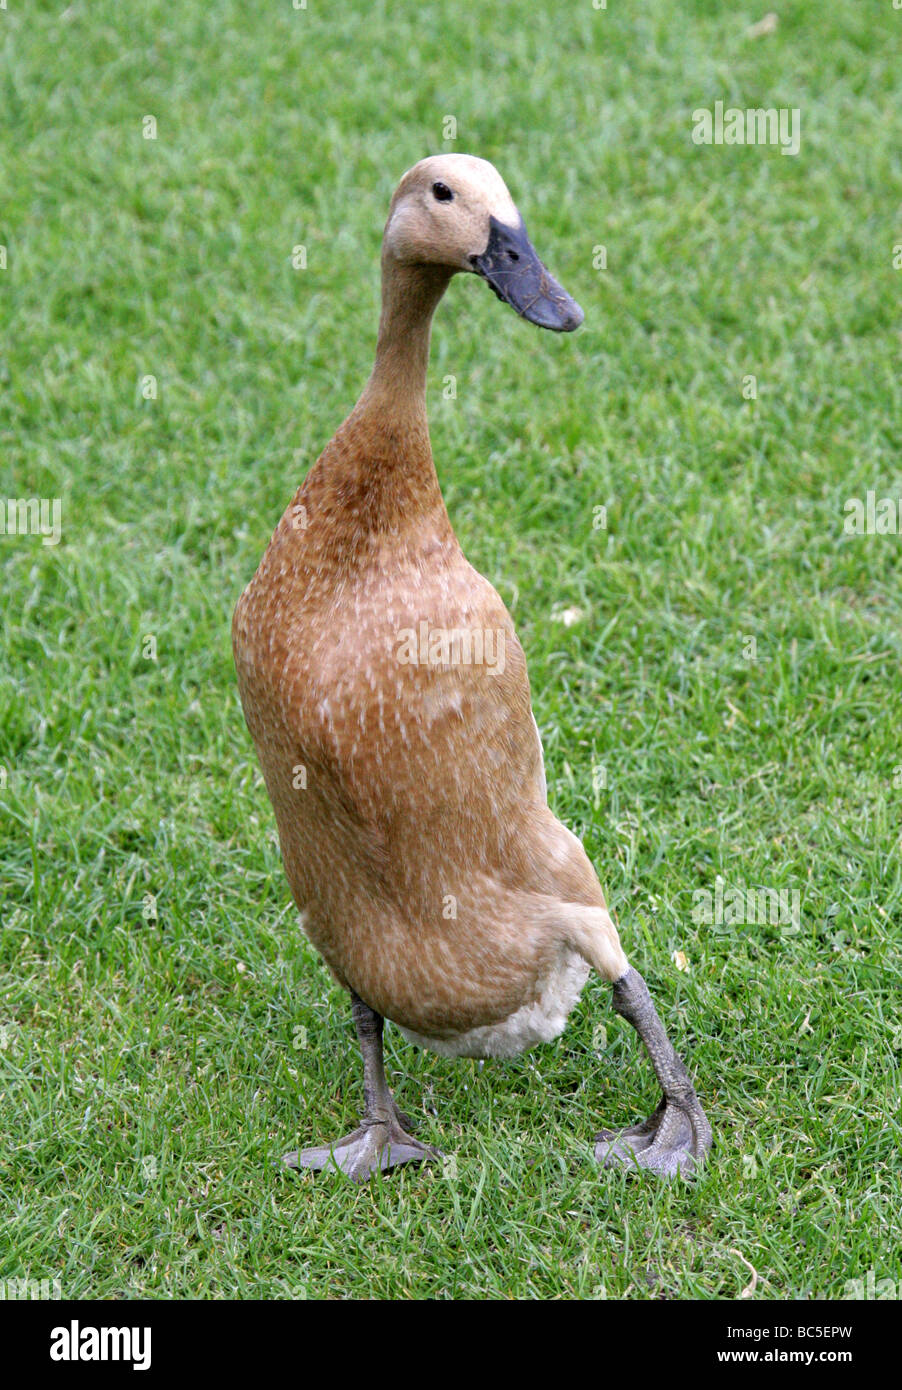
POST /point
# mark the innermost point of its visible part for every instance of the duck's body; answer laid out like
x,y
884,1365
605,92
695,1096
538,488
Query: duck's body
x,y
387,695
409,795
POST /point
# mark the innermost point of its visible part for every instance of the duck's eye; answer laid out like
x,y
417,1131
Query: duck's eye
x,y
442,193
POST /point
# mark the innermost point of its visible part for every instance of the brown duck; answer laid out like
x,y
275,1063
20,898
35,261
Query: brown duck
x,y
387,696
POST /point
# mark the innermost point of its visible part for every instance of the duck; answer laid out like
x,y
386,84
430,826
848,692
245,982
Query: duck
x,y
387,696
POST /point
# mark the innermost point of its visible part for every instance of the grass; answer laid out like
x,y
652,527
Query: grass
x,y
166,1032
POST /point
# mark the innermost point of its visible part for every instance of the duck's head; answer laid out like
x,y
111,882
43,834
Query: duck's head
x,y
454,211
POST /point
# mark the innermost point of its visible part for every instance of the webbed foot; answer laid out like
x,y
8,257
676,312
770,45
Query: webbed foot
x,y
671,1142
375,1145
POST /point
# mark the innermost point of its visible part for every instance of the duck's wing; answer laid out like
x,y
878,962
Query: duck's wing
x,y
542,777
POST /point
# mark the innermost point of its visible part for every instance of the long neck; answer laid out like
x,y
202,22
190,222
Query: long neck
x,y
377,474
396,390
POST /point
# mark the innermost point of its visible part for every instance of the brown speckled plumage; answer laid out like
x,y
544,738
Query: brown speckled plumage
x,y
424,784
410,796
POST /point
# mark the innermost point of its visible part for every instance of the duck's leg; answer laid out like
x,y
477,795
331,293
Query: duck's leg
x,y
677,1136
381,1140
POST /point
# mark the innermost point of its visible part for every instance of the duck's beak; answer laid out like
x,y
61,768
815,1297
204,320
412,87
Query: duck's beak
x,y
518,277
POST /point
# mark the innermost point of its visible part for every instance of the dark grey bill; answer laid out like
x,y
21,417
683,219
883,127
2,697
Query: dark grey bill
x,y
518,277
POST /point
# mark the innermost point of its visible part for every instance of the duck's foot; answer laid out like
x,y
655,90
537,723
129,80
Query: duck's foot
x,y
675,1139
382,1140
375,1145
670,1142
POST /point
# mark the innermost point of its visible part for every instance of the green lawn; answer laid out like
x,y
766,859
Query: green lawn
x,y
165,1031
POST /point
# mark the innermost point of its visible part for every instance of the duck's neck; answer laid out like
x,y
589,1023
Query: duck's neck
x,y
376,476
395,395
